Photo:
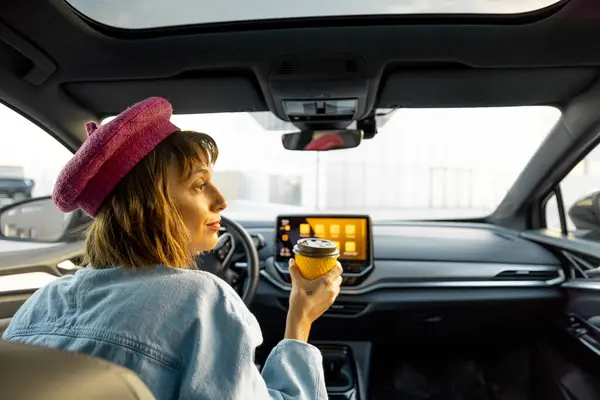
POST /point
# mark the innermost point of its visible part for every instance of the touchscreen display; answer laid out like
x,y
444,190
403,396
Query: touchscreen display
x,y
350,234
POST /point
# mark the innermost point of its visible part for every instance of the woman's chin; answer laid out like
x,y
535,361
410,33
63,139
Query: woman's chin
x,y
210,243
213,239
206,244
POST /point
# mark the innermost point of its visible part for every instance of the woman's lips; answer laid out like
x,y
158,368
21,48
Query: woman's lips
x,y
215,225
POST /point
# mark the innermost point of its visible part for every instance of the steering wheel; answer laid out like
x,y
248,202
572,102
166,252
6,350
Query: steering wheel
x,y
221,260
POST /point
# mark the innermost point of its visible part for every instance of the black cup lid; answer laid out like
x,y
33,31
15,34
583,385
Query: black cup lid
x,y
316,248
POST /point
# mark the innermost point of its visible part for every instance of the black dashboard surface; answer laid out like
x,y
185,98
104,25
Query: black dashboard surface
x,y
452,242
438,255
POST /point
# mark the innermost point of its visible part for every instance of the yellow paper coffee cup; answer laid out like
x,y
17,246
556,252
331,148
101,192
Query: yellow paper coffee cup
x,y
315,257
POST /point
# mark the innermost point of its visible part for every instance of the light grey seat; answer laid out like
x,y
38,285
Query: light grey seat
x,y
32,372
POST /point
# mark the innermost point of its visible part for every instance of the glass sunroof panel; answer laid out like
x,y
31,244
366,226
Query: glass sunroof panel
x,y
143,14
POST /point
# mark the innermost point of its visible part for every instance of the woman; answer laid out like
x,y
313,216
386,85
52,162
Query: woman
x,y
185,332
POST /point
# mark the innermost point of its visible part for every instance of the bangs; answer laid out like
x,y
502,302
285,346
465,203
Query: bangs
x,y
191,148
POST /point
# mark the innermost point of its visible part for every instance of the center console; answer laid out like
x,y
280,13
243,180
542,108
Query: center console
x,y
351,233
346,367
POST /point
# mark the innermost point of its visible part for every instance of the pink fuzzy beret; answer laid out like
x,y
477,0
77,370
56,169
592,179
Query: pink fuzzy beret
x,y
109,153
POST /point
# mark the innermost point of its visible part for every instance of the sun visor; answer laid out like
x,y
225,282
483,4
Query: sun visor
x,y
187,95
482,87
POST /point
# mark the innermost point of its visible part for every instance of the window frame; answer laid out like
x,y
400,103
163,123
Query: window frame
x,y
538,216
560,208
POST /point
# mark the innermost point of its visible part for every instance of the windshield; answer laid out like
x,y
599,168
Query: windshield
x,y
139,14
423,163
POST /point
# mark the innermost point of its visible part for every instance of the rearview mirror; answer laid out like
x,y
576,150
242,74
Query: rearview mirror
x,y
322,140
38,220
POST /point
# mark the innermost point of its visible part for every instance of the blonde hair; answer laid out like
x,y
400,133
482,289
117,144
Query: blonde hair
x,y
138,225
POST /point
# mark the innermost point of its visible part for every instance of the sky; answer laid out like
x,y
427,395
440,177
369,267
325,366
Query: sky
x,y
154,13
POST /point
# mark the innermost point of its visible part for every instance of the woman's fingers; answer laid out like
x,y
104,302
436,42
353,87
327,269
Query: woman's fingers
x,y
334,273
338,281
310,299
330,279
294,272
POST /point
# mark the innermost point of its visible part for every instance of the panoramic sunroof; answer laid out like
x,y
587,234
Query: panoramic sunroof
x,y
140,14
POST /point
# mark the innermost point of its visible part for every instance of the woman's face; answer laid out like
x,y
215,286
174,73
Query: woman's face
x,y
199,202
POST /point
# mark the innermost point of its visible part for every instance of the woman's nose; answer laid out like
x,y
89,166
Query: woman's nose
x,y
220,202
222,205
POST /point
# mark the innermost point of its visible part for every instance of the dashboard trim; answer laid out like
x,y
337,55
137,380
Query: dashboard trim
x,y
284,270
582,284
433,284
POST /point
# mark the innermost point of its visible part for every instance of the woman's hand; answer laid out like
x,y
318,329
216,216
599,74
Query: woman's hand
x,y
309,300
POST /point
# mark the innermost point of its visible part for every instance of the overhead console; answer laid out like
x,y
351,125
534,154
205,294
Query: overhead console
x,y
352,234
320,110
319,89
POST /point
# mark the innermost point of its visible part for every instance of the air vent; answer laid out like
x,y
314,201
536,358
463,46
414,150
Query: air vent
x,y
342,308
338,308
331,67
527,275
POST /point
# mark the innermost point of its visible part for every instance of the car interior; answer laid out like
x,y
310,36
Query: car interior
x,y
501,306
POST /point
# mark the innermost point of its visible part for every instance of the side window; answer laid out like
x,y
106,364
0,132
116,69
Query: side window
x,y
30,161
580,191
553,214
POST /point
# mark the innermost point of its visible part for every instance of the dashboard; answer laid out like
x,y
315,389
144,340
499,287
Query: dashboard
x,y
423,255
453,277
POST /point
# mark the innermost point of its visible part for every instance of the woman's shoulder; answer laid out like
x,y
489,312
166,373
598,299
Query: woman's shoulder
x,y
211,291
195,282
213,301
180,297
155,276
170,287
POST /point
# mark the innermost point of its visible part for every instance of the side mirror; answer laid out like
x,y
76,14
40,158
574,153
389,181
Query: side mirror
x,y
38,220
585,214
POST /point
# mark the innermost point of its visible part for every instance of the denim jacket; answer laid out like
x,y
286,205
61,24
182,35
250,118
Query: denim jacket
x,y
187,334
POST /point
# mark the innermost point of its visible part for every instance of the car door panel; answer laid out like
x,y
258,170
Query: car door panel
x,y
584,300
4,324
22,272
576,367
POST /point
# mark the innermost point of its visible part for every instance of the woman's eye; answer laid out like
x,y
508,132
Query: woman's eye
x,y
200,187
